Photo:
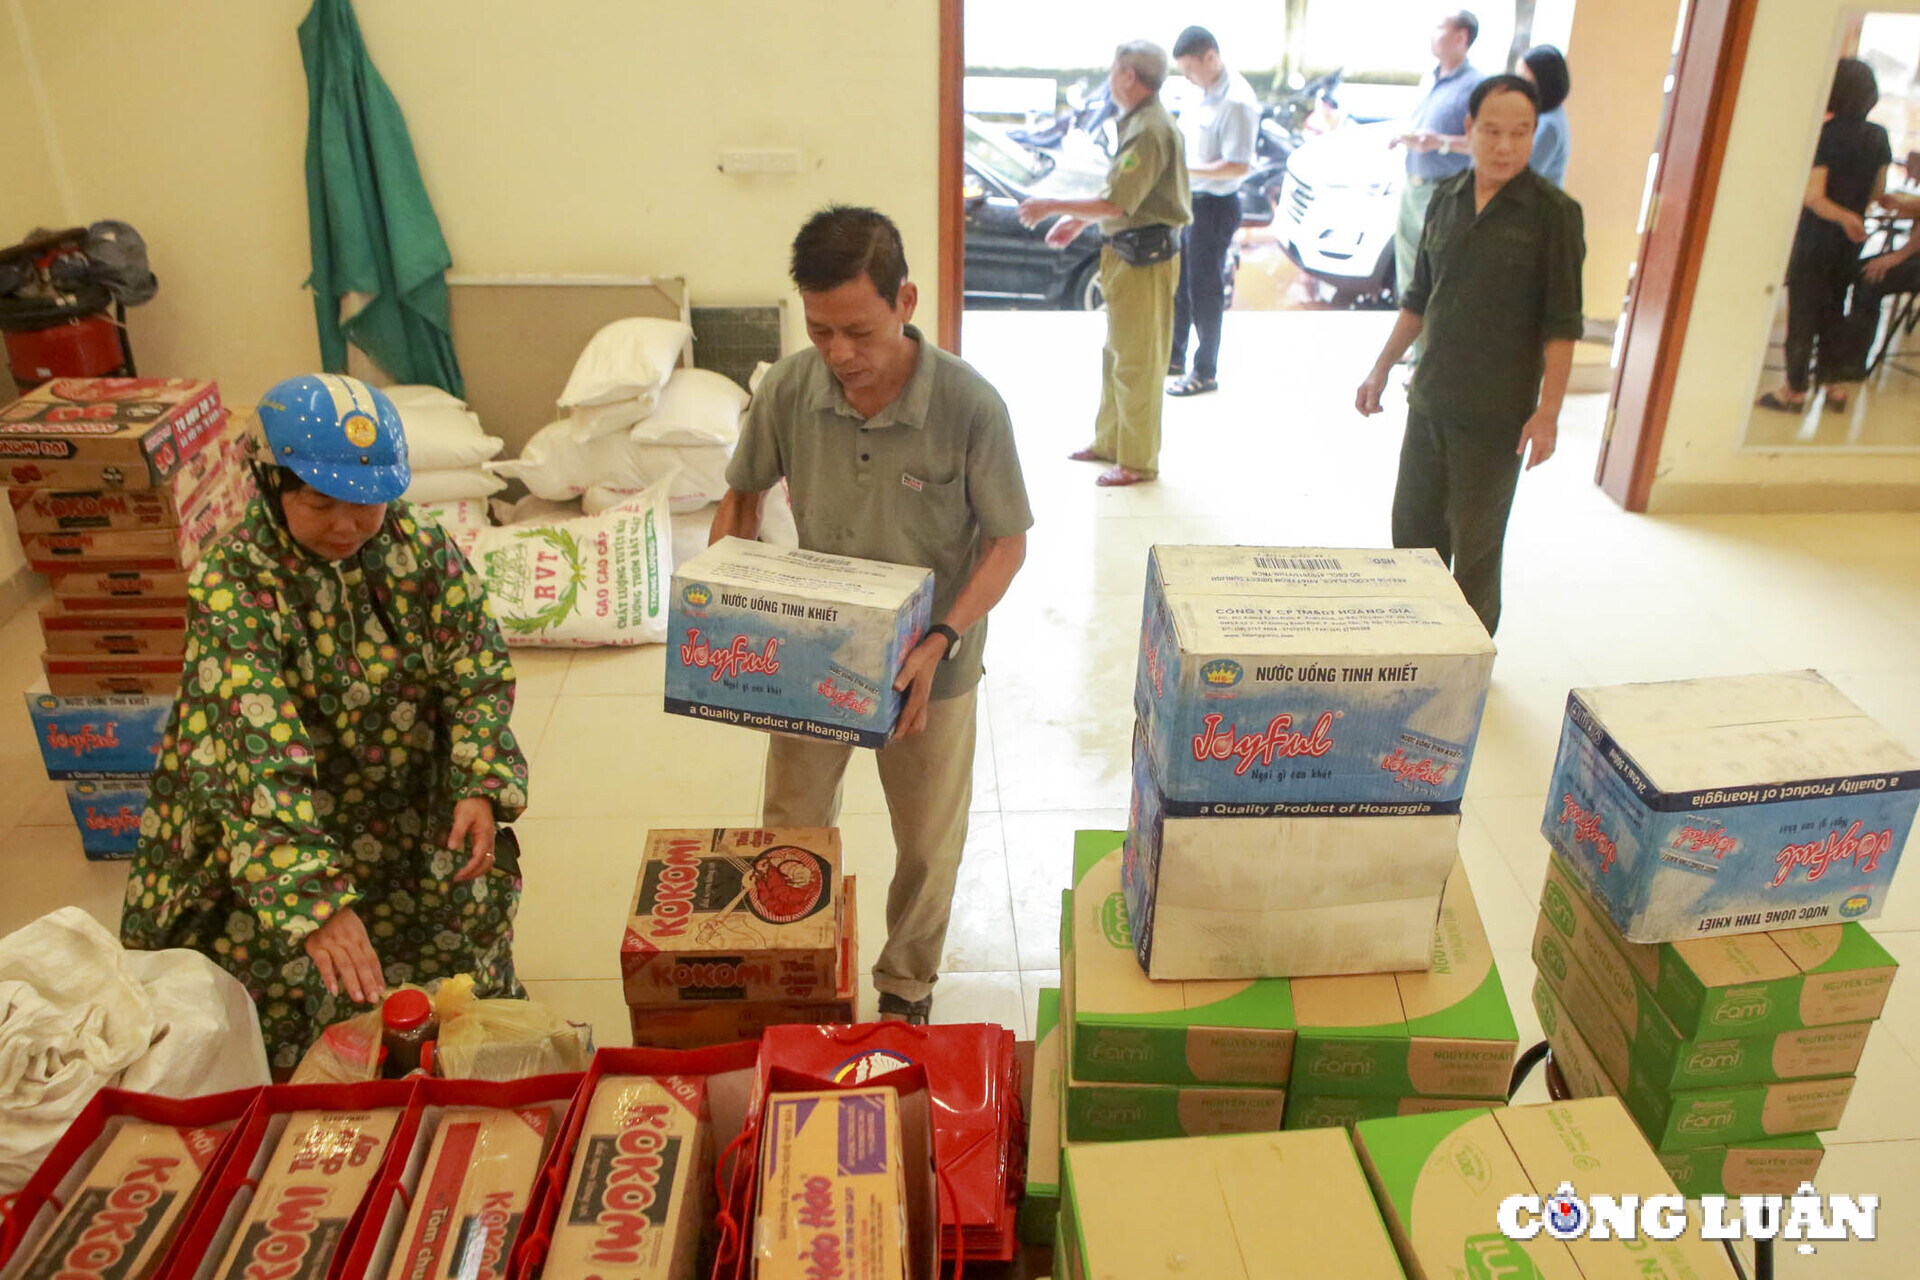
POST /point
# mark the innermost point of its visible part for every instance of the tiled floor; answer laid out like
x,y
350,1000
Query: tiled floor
x,y
1278,456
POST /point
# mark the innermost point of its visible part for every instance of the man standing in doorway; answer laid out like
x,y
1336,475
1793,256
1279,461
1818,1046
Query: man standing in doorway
x,y
892,450
1496,293
1219,133
1141,211
1436,137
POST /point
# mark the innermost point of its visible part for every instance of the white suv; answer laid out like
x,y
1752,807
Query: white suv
x,y
1339,205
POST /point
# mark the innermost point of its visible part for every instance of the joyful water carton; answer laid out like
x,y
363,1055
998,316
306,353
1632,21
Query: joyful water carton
x,y
793,641
1731,805
104,736
1275,681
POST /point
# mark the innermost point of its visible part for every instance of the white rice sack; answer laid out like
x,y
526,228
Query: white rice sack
x,y
625,359
699,406
440,438
466,514
534,509
431,487
758,376
409,395
690,533
696,476
559,466
592,421
579,584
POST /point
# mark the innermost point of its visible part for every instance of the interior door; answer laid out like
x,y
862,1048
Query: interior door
x,y
1692,146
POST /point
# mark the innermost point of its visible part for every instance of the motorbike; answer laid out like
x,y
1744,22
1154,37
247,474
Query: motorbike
x,y
1284,124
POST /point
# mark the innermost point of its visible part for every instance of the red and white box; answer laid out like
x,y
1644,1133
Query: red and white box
x,y
107,433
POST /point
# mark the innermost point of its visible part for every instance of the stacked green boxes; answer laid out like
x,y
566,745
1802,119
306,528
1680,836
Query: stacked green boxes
x,y
1040,1205
1149,1059
1733,1050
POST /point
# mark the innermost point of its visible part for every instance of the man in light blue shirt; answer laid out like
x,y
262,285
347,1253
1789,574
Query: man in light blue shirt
x,y
1220,133
1436,137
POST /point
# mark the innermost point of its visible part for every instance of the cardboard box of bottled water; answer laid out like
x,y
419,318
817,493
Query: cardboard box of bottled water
x,y
793,641
1739,804
1311,682
1281,897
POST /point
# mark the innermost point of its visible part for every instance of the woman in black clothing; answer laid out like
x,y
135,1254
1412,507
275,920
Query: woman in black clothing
x,y
1849,174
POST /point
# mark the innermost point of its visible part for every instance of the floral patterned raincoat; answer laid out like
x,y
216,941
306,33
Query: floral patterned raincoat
x,y
313,762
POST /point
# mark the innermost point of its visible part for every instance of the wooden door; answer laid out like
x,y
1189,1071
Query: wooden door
x,y
1692,146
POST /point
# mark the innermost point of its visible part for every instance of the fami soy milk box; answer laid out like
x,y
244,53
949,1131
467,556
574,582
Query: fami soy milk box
x,y
1322,683
793,641
1729,805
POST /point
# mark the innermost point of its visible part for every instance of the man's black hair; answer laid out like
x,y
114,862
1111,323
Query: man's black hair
x,y
1467,22
1195,41
1550,74
1855,91
1502,84
841,243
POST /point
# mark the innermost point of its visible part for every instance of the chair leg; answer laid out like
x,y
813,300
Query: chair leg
x,y
1523,1067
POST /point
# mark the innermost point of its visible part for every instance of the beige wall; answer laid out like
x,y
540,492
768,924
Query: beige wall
x,y
579,136
1617,56
1776,121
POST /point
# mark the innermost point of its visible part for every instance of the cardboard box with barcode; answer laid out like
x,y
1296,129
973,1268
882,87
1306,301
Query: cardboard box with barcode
x,y
1730,805
1280,897
734,914
104,737
639,1188
1317,682
472,1193
1713,988
1648,1046
696,1024
1444,1032
107,813
133,633
1128,1029
1440,1179
833,1193
1040,1201
107,590
106,433
217,508
72,675
793,641
322,1167
1236,1207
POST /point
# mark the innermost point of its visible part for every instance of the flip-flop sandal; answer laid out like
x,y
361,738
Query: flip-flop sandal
x,y
1116,477
1773,400
1087,455
1193,387
912,1012
1837,405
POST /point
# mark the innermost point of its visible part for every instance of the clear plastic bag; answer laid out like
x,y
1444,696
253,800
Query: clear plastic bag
x,y
478,1040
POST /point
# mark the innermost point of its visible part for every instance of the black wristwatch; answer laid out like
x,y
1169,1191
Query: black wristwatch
x,y
953,639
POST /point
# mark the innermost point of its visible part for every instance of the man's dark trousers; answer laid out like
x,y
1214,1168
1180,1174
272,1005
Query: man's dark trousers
x,y
1202,296
1454,494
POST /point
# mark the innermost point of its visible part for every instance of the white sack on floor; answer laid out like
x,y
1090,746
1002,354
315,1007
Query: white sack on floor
x,y
407,395
79,1014
467,513
590,422
699,406
430,487
625,359
442,433
579,584
698,473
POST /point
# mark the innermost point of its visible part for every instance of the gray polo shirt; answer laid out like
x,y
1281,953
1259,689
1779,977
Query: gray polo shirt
x,y
1443,111
921,482
1223,125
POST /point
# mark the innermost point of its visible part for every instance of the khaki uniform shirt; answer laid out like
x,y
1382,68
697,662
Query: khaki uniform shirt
x,y
921,482
1148,177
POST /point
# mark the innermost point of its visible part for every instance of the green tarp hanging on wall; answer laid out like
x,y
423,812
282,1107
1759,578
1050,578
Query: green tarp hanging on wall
x,y
379,260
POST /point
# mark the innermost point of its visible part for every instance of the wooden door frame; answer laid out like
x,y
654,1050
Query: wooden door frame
x,y
952,216
1693,147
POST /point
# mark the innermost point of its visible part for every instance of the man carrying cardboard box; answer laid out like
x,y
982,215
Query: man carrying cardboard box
x,y
892,450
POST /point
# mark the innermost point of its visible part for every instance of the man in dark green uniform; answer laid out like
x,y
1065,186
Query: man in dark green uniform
x,y
1141,211
1496,297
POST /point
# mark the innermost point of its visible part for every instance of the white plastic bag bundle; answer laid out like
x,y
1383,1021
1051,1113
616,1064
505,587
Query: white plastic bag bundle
x,y
577,584
79,1014
699,406
627,358
429,488
590,422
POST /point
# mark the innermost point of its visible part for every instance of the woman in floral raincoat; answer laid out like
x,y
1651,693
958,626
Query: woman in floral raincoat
x,y
322,819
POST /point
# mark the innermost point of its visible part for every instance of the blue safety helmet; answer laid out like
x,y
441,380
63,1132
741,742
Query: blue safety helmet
x,y
339,435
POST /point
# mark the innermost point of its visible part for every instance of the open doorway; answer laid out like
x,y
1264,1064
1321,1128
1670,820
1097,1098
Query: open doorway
x,y
1335,82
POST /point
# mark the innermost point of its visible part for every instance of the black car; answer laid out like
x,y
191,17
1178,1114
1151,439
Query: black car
x,y
1008,264
1011,265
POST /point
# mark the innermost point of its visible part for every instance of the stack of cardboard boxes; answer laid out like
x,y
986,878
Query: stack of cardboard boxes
x,y
1699,953
118,486
735,931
